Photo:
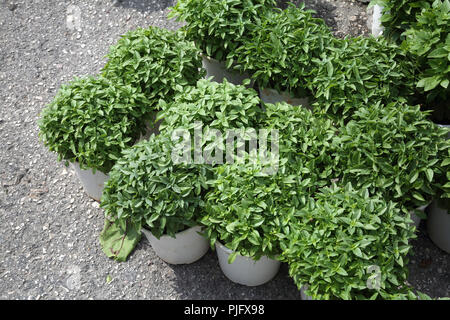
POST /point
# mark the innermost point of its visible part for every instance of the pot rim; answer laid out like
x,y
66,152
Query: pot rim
x,y
190,229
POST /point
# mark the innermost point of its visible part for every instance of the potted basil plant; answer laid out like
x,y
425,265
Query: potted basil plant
x,y
159,62
247,214
280,52
394,150
218,27
428,40
348,244
89,122
148,193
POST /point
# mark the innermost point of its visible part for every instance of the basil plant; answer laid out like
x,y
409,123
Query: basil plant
x,y
280,51
213,114
159,62
91,120
393,150
348,244
360,71
249,211
148,189
218,27
428,40
306,143
399,15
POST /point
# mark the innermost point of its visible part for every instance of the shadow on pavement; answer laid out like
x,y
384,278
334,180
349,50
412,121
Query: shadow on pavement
x,y
145,5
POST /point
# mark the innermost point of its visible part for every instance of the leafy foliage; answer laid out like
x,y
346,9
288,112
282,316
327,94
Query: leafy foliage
x,y
92,120
218,27
217,111
249,212
217,105
340,235
393,150
399,15
158,61
360,71
429,40
278,53
305,143
147,189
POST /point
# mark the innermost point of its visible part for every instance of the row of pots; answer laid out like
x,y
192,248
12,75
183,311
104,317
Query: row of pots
x,y
189,246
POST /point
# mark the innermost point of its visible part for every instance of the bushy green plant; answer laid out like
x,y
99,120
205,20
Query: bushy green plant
x,y
399,15
249,211
91,120
212,113
280,50
429,40
159,61
357,71
147,189
216,105
218,27
343,234
392,149
305,142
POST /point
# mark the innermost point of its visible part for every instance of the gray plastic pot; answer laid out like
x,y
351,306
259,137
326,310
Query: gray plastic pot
x,y
217,70
187,247
93,183
268,95
245,270
438,226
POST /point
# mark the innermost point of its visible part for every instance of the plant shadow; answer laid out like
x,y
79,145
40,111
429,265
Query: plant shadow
x,y
204,279
145,5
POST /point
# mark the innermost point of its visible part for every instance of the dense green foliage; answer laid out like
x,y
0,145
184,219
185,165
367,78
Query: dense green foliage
x,y
393,150
428,40
216,105
91,120
341,234
147,189
218,27
279,51
250,212
399,15
158,61
354,72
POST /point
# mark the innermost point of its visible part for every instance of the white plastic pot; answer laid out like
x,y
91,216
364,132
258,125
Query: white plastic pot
x,y
438,226
93,183
218,71
272,96
245,270
377,28
187,247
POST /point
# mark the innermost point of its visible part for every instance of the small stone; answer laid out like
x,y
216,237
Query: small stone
x,y
12,6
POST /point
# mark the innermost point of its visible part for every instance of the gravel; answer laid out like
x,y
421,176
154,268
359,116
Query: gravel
x,y
50,227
